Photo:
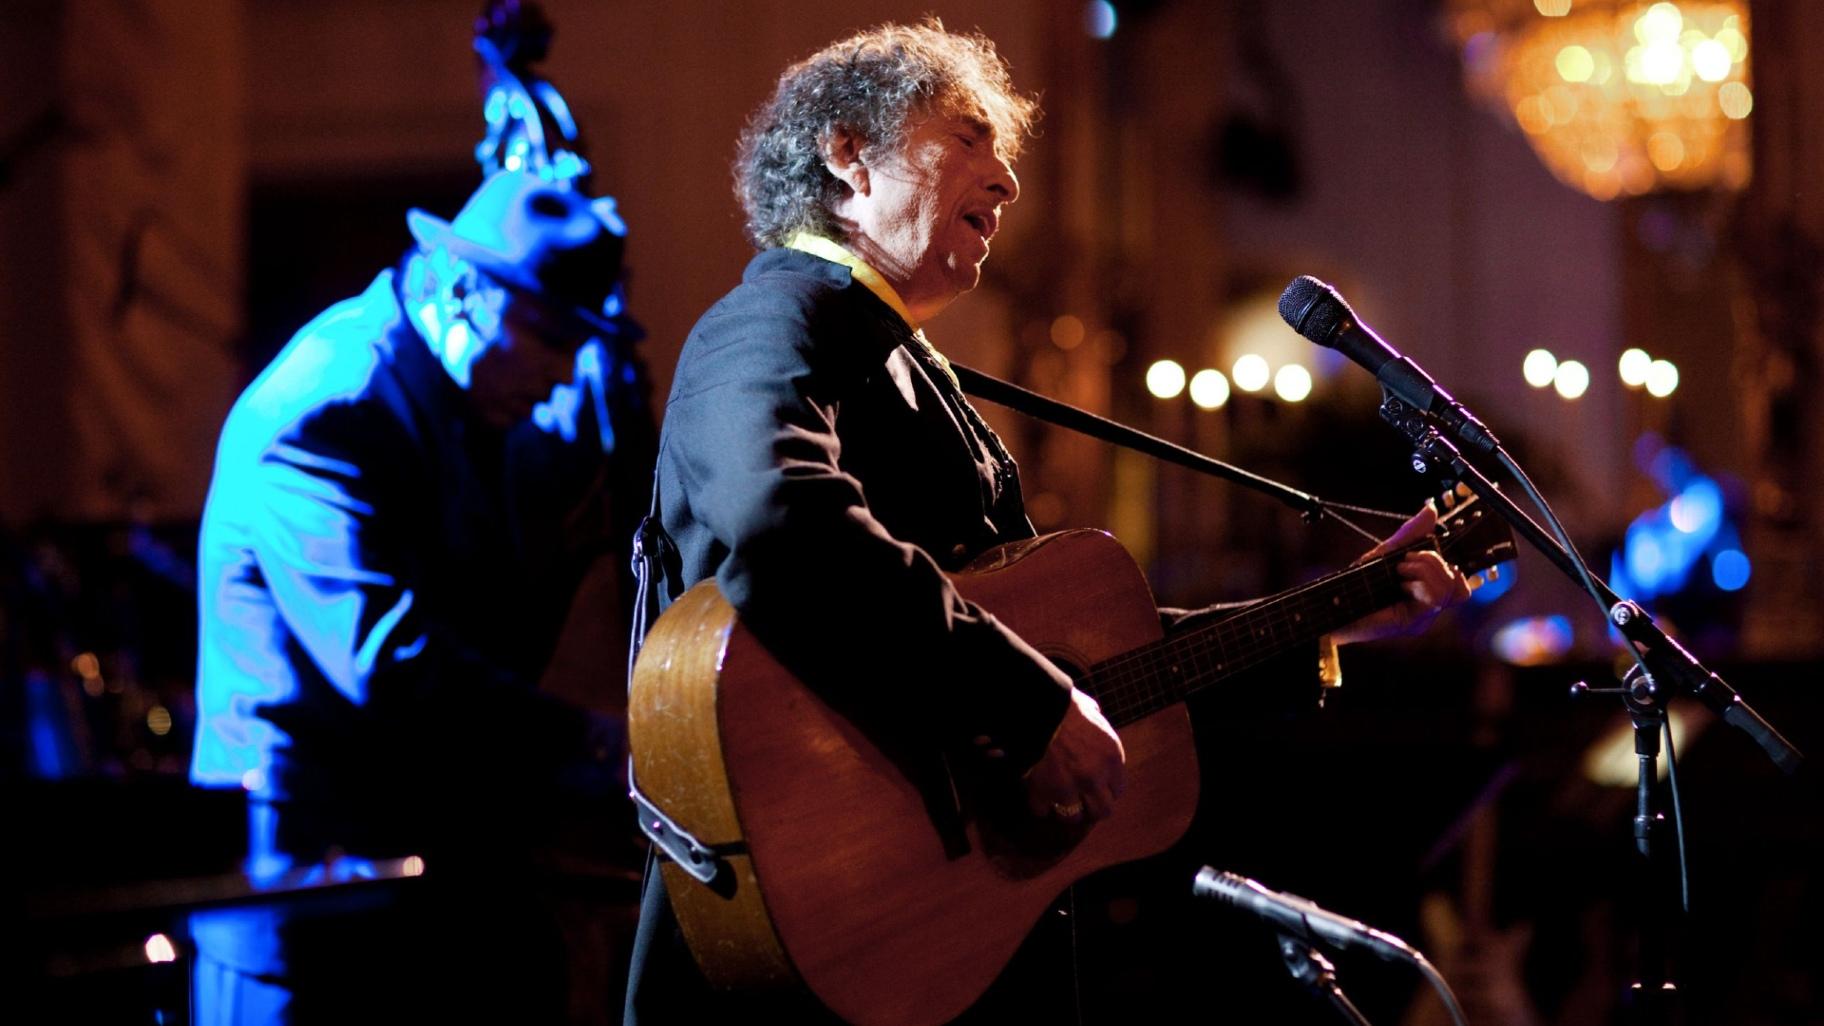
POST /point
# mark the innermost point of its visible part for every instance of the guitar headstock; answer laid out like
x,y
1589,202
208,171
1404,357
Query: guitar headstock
x,y
1470,536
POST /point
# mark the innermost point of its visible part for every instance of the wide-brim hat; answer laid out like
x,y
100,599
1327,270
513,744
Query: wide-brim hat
x,y
542,240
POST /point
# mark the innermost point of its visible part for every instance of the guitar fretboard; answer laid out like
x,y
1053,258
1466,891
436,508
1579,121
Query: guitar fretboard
x,y
1137,684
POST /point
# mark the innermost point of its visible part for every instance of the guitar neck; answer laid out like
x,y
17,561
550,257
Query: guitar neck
x,y
1139,683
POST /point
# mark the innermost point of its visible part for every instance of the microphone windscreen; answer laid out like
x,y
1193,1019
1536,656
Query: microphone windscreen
x,y
1313,309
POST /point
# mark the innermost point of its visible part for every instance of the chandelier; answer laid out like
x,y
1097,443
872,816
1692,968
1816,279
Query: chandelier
x,y
1617,98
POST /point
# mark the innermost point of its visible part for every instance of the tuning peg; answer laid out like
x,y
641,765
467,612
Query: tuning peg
x,y
1494,573
1477,581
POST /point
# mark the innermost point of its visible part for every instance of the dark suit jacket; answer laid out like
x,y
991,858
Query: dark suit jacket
x,y
379,590
819,465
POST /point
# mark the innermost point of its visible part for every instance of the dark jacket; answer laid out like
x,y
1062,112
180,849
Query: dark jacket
x,y
381,579
824,470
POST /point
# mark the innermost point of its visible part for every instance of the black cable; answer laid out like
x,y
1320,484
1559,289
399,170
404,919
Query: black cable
x,y
1564,542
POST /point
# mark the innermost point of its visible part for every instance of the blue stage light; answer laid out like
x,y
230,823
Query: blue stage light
x,y
1099,19
1730,569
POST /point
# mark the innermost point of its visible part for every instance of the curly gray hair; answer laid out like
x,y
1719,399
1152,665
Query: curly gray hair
x,y
870,83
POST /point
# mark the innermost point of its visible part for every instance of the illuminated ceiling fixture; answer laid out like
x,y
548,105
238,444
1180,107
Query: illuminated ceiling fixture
x,y
1617,97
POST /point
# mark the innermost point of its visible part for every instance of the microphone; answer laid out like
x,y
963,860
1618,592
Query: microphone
x,y
1293,915
1316,311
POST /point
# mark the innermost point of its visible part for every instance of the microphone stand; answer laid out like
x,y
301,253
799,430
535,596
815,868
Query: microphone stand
x,y
1309,967
1665,668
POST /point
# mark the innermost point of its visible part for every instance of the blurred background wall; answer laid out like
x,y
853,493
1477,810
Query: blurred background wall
x,y
183,184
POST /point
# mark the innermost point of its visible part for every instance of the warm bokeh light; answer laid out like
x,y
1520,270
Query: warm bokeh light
x,y
1538,368
1067,332
1251,373
1633,367
1209,389
1619,99
1612,761
1165,379
1572,379
1292,383
1711,60
160,949
1533,640
1575,64
412,865
1735,100
1662,378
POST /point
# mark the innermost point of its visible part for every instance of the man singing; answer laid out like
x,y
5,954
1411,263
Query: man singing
x,y
820,463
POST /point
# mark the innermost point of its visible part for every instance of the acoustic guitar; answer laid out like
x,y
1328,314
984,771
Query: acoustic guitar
x,y
835,875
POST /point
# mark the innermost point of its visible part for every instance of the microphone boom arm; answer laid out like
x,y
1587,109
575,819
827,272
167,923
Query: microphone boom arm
x,y
1664,658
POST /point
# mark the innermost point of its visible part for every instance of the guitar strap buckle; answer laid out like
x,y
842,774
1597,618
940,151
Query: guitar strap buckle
x,y
704,862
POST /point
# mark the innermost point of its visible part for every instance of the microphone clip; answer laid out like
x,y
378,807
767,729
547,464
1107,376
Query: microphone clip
x,y
1432,453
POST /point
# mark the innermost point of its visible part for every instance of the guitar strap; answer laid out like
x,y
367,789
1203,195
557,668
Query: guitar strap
x,y
653,552
1072,418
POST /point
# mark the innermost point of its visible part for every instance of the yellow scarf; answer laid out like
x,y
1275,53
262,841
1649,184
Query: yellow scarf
x,y
835,252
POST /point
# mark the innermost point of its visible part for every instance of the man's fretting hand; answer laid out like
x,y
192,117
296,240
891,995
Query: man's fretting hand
x,y
1431,586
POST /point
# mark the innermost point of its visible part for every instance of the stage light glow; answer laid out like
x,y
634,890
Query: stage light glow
x,y
1710,59
1572,379
1666,150
1612,761
1576,65
1251,373
1731,569
1646,564
1209,389
1698,509
1730,35
1100,19
1661,23
1633,367
1533,640
1662,378
1735,100
1292,383
1165,379
412,865
1539,367
160,949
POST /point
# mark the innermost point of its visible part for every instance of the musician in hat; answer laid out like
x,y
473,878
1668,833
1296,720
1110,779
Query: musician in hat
x,y
381,582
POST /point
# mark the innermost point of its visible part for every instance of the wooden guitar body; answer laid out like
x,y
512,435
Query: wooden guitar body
x,y
835,874
845,885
